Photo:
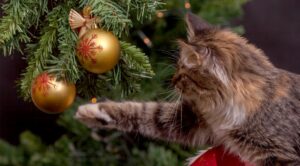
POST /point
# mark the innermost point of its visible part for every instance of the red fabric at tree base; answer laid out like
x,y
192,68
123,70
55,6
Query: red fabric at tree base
x,y
218,157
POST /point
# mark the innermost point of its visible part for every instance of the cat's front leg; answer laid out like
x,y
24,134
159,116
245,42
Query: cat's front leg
x,y
168,121
125,116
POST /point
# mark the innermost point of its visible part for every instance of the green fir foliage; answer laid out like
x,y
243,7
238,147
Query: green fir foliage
x,y
53,48
119,16
19,17
40,51
80,147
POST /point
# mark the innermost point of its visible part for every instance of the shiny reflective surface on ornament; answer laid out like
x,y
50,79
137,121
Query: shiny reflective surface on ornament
x,y
51,95
98,51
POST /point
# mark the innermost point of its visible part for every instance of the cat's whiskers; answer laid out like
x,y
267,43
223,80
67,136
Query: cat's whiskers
x,y
174,116
171,96
167,67
180,114
169,90
173,55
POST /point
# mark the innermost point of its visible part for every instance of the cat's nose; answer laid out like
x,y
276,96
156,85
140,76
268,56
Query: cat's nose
x,y
175,79
178,78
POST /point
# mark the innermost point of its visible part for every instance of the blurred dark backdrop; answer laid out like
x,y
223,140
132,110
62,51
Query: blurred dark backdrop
x,y
272,25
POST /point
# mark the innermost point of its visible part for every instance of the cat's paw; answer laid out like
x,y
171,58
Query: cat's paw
x,y
93,115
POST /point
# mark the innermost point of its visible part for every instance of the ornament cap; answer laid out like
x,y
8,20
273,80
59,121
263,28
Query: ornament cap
x,y
87,11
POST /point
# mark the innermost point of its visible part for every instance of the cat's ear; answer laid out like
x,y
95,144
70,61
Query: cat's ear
x,y
195,25
189,55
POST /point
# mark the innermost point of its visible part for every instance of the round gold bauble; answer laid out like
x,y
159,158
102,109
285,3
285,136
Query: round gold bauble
x,y
98,51
51,95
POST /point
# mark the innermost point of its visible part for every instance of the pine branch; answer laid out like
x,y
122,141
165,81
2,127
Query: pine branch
x,y
143,10
10,154
94,85
35,63
136,61
40,52
19,17
118,16
133,66
64,64
113,16
54,52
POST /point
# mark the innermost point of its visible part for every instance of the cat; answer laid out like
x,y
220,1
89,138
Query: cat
x,y
231,95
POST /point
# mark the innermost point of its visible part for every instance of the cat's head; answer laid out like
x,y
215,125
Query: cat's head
x,y
212,60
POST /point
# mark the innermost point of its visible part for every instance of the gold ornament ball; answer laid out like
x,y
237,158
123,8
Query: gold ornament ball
x,y
51,95
98,51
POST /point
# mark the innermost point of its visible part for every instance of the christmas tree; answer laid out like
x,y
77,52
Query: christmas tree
x,y
40,30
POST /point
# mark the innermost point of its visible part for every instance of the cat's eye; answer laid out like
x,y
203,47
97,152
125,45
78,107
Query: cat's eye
x,y
205,51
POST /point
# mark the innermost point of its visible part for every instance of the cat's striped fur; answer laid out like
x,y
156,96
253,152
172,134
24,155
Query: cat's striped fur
x,y
231,95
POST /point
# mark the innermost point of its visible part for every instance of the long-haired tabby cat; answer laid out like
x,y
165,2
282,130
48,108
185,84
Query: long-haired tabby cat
x,y
231,96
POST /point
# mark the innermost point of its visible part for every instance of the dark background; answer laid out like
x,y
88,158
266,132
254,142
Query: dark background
x,y
272,25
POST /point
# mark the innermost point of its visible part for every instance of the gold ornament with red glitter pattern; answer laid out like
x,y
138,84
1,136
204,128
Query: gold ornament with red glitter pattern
x,y
98,51
51,95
